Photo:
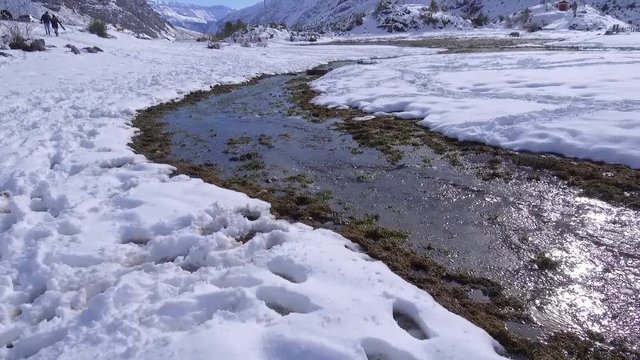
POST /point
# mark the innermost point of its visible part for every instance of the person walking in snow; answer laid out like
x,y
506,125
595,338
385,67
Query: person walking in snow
x,y
55,23
46,20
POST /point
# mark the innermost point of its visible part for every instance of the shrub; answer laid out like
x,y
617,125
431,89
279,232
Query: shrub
x,y
213,43
17,42
532,27
98,27
429,19
278,25
231,28
433,7
18,33
480,20
384,6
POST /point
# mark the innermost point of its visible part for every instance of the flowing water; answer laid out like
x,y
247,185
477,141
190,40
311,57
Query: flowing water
x,y
496,229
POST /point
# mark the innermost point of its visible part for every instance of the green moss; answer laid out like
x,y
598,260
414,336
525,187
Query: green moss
x,y
252,156
300,179
612,183
265,141
240,140
253,165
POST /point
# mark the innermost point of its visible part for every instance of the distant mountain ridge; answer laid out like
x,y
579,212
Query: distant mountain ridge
x,y
189,16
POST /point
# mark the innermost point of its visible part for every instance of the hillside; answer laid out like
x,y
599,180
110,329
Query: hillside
x,y
188,16
134,15
625,10
355,15
343,15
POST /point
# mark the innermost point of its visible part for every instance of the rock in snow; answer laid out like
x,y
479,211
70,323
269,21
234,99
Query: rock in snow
x,y
92,49
73,49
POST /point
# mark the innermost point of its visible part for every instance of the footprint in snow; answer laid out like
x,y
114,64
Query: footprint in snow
x,y
288,270
285,302
407,316
377,349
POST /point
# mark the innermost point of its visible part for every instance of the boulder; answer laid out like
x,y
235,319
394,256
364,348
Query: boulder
x,y
92,50
5,15
2,54
36,45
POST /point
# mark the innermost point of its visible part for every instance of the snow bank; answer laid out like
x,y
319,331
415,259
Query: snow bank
x,y
103,255
624,41
578,104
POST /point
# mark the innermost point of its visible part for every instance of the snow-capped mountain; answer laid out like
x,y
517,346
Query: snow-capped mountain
x,y
347,15
625,10
188,16
134,15
340,15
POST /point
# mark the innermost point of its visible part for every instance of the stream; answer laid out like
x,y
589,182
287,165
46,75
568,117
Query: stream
x,y
574,261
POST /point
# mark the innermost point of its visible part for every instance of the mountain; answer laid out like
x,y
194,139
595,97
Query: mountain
x,y
350,15
134,15
625,10
311,14
188,16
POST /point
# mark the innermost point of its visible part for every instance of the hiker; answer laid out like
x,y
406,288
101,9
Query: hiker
x,y
55,22
46,20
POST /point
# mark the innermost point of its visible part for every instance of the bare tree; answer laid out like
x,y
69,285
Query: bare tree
x,y
265,12
18,32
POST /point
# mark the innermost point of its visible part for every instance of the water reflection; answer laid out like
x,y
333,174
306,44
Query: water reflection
x,y
495,229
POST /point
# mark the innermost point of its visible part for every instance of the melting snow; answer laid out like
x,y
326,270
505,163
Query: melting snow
x,y
104,255
579,104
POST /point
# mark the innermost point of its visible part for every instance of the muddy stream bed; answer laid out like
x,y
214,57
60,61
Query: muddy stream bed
x,y
573,261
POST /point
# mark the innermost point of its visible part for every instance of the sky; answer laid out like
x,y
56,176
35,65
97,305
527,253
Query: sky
x,y
236,4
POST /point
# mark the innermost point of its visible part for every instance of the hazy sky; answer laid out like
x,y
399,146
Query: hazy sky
x,y
236,4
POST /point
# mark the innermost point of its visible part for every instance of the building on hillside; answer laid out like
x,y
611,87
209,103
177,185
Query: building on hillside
x,y
563,5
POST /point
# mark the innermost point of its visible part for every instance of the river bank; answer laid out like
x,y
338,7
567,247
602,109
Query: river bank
x,y
346,178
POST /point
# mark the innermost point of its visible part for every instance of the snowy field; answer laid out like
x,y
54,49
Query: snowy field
x,y
555,38
623,41
104,256
578,104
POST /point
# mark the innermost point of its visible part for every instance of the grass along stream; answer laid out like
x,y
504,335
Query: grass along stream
x,y
508,241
